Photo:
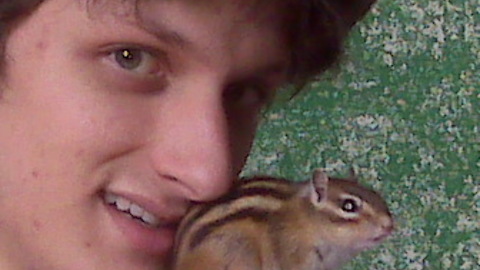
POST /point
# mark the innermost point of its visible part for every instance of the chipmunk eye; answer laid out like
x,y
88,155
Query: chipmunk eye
x,y
350,206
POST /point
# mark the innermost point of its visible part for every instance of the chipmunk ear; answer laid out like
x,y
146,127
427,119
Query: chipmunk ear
x,y
318,187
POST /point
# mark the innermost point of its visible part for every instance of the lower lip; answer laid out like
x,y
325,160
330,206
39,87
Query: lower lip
x,y
154,241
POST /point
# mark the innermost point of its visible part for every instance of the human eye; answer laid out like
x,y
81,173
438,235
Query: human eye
x,y
138,61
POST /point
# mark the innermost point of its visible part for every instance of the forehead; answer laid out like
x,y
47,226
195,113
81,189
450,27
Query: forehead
x,y
240,11
217,24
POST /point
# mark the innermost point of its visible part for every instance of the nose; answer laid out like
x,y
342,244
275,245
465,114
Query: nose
x,y
387,224
192,145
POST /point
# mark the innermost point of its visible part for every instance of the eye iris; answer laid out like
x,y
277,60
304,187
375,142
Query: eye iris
x,y
128,58
350,206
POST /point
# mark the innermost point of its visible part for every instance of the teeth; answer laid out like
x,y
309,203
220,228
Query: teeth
x,y
133,209
149,218
122,204
110,198
136,210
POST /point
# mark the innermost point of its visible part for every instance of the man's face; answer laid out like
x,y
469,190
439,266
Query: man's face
x,y
109,128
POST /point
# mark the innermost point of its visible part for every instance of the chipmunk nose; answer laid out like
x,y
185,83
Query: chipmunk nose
x,y
387,224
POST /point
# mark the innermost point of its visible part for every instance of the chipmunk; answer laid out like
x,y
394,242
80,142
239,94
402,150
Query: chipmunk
x,y
276,224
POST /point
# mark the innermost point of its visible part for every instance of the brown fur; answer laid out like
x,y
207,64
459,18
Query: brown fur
x,y
273,224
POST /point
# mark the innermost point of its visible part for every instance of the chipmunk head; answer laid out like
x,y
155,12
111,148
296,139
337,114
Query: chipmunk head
x,y
350,215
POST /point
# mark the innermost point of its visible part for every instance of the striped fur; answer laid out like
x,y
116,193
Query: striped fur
x,y
250,198
263,220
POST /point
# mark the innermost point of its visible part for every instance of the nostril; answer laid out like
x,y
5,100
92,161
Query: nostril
x,y
169,177
199,186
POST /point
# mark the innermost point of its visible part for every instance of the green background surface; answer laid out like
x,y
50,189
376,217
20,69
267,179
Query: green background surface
x,y
403,109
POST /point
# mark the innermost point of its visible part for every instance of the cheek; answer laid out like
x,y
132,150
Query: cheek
x,y
66,126
60,108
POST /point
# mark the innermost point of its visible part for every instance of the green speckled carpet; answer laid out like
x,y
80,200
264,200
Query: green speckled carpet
x,y
404,110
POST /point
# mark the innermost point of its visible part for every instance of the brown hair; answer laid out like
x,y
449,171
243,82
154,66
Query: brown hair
x,y
315,30
11,13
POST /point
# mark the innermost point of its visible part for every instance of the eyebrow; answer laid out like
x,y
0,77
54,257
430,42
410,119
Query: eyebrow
x,y
168,36
177,40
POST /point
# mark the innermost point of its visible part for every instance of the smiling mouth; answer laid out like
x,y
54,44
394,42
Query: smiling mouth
x,y
133,210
